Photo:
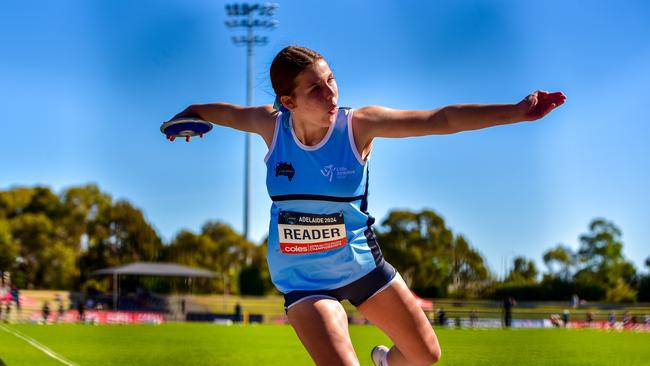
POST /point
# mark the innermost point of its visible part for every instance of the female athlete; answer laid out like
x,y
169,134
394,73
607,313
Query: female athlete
x,y
321,246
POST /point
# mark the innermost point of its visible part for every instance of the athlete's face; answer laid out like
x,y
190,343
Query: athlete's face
x,y
315,95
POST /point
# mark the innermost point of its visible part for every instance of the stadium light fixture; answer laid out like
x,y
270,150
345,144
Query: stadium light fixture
x,y
250,17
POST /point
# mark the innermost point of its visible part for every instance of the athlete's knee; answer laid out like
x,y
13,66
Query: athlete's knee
x,y
431,358
427,359
427,355
435,355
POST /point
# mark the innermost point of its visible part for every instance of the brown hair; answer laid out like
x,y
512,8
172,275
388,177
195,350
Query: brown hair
x,y
287,64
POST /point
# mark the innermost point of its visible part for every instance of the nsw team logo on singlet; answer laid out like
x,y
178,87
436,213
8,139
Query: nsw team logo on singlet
x,y
302,233
286,169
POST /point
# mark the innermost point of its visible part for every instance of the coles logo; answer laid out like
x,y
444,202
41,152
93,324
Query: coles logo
x,y
294,249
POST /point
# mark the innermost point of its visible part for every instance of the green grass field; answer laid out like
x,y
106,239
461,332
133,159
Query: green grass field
x,y
181,344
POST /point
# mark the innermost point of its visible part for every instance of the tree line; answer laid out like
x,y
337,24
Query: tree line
x,y
597,270
55,241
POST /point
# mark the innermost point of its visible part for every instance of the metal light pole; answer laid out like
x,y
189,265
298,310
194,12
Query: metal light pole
x,y
249,17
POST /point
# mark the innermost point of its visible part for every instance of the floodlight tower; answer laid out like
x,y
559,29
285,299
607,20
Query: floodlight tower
x,y
249,17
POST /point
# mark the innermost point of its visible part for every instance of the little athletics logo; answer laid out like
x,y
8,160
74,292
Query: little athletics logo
x,y
340,172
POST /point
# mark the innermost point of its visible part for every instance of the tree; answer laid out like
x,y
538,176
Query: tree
x,y
418,245
118,235
14,201
469,274
428,255
644,285
218,248
559,261
251,281
621,292
44,201
233,252
131,237
60,270
601,255
82,207
196,251
523,271
192,250
9,248
33,232
44,253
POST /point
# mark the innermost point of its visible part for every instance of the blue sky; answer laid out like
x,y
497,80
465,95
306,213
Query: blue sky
x,y
84,86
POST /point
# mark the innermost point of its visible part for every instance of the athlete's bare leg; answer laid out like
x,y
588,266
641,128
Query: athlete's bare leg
x,y
322,326
396,312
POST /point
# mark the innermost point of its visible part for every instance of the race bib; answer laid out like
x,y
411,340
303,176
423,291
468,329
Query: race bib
x,y
302,233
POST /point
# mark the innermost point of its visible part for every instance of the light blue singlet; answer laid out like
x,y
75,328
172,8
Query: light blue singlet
x,y
320,234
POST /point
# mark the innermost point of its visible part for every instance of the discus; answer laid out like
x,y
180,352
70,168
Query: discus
x,y
185,127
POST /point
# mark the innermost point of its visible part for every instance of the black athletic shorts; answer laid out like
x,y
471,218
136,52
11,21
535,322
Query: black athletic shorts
x,y
356,292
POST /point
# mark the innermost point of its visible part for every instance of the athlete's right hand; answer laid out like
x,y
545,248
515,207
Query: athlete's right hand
x,y
188,112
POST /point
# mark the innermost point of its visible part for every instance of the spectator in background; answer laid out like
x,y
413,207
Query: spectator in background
x,y
80,309
238,317
583,302
473,318
508,303
45,312
15,297
626,319
90,304
60,309
565,317
555,320
7,310
4,297
590,318
611,318
442,317
575,301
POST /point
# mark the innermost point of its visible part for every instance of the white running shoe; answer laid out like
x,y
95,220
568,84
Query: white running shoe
x,y
378,354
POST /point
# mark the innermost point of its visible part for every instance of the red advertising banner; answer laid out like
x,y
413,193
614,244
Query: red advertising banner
x,y
102,317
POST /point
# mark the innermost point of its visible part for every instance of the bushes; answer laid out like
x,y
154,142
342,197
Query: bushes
x,y
550,290
431,292
521,292
251,281
621,292
644,289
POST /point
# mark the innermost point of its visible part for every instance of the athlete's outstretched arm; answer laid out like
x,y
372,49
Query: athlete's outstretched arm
x,y
375,121
259,120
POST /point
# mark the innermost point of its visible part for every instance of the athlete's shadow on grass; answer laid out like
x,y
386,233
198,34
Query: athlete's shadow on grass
x,y
2,363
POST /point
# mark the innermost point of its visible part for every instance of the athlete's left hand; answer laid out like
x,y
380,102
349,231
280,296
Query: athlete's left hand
x,y
540,103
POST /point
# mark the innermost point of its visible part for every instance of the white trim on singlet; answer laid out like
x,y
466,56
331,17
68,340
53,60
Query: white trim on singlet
x,y
318,145
278,121
353,144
